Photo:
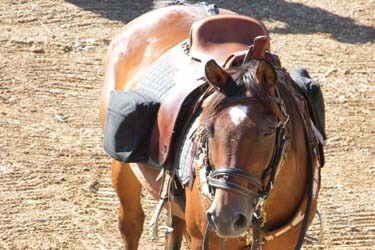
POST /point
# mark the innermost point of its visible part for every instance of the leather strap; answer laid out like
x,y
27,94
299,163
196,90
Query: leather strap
x,y
257,238
231,186
309,189
225,184
238,173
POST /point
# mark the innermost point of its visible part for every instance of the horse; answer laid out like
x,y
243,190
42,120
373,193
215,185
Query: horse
x,y
242,123
250,128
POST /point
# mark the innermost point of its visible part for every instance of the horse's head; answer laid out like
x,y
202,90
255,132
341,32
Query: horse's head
x,y
240,119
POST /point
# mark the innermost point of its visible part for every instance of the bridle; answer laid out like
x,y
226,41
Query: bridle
x,y
220,177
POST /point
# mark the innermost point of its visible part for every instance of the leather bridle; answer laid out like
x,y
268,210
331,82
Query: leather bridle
x,y
219,178
214,179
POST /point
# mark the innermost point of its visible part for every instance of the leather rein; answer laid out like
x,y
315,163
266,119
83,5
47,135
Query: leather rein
x,y
219,178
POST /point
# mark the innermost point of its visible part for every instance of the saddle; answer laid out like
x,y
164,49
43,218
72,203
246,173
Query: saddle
x,y
224,38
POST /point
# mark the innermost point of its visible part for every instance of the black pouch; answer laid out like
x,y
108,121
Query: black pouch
x,y
128,126
314,93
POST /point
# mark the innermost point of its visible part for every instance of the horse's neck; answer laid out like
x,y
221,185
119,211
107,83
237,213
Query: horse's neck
x,y
290,182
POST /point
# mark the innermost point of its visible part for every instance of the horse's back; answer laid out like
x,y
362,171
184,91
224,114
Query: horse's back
x,y
141,42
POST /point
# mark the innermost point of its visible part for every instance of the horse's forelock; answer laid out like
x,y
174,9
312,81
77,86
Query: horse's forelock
x,y
244,76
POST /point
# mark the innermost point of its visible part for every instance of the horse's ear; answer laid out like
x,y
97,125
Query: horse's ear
x,y
266,76
216,75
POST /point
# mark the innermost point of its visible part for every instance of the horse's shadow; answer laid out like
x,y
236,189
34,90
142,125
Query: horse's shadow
x,y
120,10
302,19
297,17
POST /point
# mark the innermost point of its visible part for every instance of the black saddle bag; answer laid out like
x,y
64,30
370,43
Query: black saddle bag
x,y
314,94
128,125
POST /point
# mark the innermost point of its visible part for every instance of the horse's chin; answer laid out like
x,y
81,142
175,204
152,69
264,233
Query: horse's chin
x,y
228,234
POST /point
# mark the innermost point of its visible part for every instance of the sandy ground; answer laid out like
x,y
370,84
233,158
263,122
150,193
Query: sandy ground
x,y
55,190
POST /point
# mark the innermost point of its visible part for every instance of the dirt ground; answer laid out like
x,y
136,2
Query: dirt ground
x,y
55,189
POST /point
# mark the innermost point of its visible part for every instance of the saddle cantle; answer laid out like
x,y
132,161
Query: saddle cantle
x,y
222,38
217,37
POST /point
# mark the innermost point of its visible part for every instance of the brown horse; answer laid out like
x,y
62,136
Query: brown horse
x,y
242,123
248,117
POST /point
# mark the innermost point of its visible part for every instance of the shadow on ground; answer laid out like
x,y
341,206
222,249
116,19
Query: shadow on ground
x,y
119,10
299,18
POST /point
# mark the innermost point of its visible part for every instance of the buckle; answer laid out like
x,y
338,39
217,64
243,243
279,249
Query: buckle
x,y
283,124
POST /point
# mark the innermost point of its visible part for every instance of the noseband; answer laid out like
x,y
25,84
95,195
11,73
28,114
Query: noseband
x,y
214,180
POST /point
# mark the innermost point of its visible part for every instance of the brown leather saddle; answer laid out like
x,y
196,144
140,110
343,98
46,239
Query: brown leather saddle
x,y
218,37
224,38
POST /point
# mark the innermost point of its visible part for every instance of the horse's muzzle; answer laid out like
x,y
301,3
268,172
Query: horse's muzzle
x,y
228,225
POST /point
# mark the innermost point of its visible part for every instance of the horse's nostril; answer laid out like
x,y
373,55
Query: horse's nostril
x,y
240,221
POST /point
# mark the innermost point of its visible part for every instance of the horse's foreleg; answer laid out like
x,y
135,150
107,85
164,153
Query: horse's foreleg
x,y
196,244
174,239
130,216
194,217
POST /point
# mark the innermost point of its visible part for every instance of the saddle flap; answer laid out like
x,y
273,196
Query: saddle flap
x,y
216,37
172,106
165,127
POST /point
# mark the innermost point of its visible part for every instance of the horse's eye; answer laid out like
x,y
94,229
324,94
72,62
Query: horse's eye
x,y
210,131
269,131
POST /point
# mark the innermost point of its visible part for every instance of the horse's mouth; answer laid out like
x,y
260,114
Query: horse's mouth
x,y
228,225
226,234
225,231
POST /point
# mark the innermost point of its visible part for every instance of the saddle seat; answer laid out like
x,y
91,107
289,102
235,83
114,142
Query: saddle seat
x,y
217,37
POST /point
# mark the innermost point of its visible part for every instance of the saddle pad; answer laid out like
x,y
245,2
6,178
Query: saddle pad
x,y
184,154
157,82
